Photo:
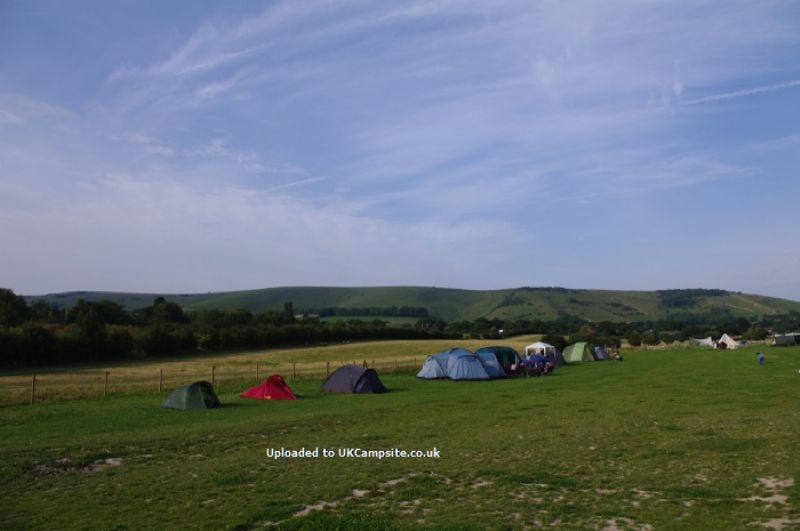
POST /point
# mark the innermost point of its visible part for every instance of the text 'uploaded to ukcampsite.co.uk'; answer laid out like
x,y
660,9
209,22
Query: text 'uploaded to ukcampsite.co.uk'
x,y
351,453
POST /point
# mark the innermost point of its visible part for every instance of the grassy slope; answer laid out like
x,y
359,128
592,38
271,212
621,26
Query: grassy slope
x,y
673,439
453,304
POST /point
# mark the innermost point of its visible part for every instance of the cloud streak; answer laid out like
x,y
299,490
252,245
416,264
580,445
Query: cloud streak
x,y
743,93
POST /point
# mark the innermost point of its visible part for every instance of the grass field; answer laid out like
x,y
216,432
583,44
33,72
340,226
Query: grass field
x,y
681,439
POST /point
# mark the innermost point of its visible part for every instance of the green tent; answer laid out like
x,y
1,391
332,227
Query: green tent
x,y
199,395
578,352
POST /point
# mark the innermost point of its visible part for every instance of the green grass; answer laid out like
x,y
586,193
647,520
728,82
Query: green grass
x,y
671,439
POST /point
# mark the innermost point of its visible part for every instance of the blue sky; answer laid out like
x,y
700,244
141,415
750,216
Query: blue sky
x,y
198,146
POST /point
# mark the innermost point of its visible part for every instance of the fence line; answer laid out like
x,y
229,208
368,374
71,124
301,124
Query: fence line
x,y
69,385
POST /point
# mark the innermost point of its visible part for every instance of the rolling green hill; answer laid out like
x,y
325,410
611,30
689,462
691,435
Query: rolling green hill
x,y
457,304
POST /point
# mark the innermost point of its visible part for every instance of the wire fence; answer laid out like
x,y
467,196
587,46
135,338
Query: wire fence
x,y
37,387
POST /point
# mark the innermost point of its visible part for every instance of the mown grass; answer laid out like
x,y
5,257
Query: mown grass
x,y
682,439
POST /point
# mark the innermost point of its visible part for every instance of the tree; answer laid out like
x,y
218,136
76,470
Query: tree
x,y
288,312
163,312
108,312
43,312
556,340
650,337
86,319
756,333
13,308
634,340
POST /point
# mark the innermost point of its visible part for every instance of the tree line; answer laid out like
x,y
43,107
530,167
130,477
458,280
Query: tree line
x,y
42,334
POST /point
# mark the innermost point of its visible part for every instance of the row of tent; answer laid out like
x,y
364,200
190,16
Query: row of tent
x,y
345,379
456,364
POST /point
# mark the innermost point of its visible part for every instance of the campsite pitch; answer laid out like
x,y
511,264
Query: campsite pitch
x,y
682,439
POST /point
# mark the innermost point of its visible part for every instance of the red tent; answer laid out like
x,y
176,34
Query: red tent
x,y
273,388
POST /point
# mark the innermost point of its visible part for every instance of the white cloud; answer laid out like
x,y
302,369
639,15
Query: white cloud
x,y
7,117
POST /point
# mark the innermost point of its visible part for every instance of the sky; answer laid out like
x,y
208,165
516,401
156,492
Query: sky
x,y
194,146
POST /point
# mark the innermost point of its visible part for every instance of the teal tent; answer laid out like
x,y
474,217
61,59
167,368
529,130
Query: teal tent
x,y
199,395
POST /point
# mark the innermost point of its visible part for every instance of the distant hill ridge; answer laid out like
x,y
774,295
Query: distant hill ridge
x,y
545,303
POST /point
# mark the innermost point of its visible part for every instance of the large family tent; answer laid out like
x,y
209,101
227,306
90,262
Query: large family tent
x,y
578,352
461,364
435,366
506,356
273,388
465,366
705,342
199,395
601,354
490,364
353,379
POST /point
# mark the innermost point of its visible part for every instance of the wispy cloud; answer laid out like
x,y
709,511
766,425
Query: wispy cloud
x,y
743,93
295,184
150,145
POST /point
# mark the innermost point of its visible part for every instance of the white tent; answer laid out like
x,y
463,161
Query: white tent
x,y
727,342
706,342
540,348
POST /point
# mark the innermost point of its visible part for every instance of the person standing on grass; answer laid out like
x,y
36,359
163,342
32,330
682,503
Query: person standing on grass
x,y
760,359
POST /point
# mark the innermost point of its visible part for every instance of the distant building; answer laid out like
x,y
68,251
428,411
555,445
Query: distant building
x,y
784,340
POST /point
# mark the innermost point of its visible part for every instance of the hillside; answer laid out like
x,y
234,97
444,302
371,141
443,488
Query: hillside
x,y
457,304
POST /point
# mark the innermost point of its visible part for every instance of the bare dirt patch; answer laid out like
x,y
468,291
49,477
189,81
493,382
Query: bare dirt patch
x,y
779,499
65,465
101,464
777,523
320,505
776,484
480,483
622,523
